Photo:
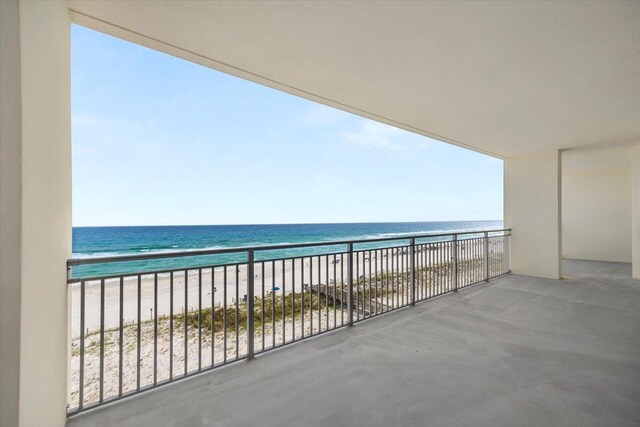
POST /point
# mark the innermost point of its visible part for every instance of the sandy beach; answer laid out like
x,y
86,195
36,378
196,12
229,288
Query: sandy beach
x,y
282,333
284,276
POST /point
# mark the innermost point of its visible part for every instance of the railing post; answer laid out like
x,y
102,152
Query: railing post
x,y
486,256
250,304
412,253
350,281
455,263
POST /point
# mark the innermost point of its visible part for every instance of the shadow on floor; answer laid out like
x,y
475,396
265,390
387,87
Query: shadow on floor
x,y
576,269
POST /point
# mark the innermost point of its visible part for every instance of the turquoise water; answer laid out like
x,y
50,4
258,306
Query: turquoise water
x,y
113,241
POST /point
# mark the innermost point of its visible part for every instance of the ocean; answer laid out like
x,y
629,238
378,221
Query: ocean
x,y
114,241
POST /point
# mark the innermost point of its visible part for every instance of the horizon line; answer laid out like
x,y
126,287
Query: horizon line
x,y
291,223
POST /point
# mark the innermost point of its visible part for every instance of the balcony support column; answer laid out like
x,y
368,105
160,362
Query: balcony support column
x,y
532,208
35,211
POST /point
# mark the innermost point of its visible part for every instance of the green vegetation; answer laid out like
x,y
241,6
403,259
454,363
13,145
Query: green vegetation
x,y
379,287
275,309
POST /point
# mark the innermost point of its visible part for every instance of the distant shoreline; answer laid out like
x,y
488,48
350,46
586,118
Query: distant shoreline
x,y
284,224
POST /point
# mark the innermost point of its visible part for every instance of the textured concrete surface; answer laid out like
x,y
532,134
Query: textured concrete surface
x,y
516,351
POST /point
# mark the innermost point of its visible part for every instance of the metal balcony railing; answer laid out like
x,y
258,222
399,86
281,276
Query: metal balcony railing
x,y
132,331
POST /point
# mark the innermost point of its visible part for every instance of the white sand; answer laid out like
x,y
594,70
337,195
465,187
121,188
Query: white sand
x,y
111,372
282,274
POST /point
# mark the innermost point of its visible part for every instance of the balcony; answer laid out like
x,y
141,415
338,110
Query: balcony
x,y
515,351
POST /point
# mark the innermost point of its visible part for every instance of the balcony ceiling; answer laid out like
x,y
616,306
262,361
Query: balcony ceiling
x,y
502,78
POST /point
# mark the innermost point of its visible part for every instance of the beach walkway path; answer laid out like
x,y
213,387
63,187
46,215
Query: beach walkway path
x,y
366,306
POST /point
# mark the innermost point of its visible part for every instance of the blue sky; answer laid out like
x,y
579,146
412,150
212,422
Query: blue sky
x,y
158,141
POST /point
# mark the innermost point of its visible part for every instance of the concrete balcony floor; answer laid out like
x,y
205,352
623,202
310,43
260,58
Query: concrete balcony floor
x,y
516,351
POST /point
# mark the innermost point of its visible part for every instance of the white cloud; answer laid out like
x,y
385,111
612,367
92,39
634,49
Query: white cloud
x,y
363,132
321,115
375,135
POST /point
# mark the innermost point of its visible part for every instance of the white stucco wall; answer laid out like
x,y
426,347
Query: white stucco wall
x,y
596,205
532,209
45,44
35,191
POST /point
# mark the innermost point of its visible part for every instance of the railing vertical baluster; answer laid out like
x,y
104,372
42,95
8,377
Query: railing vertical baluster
x,y
468,261
199,319
464,264
507,264
284,306
422,266
311,295
81,373
341,290
440,258
394,280
213,316
250,316
400,275
224,315
139,332
101,395
155,329
319,300
326,290
237,283
237,316
273,304
412,266
478,253
384,295
486,256
302,297
293,298
454,277
369,275
335,292
263,322
403,268
185,321
403,276
386,279
379,281
427,272
359,307
171,326
434,267
492,257
121,336
350,281
462,275
418,262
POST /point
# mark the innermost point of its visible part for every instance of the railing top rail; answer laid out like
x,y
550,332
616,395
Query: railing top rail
x,y
125,258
